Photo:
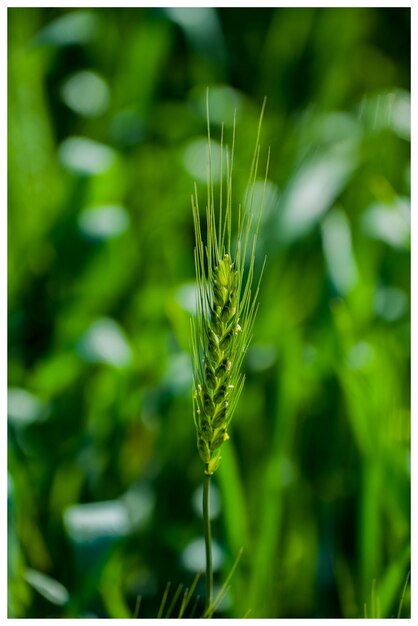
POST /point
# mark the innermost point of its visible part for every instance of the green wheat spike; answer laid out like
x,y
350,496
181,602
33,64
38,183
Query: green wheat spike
x,y
227,304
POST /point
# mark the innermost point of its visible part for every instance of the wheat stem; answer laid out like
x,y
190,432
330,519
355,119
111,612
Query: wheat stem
x,y
208,542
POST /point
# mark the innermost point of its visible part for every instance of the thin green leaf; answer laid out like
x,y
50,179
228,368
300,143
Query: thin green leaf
x,y
164,600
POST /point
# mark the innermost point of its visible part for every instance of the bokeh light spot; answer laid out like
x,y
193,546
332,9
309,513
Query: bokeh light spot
x,y
86,93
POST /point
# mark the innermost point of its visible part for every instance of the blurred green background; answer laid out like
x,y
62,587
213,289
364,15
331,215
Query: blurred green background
x,y
106,137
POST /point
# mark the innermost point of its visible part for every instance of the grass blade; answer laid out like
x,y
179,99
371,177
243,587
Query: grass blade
x,y
174,600
403,595
163,601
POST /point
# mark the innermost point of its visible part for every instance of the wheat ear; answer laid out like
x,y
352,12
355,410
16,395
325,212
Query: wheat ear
x,y
227,303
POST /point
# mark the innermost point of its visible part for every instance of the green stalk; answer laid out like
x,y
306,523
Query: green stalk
x,y
208,541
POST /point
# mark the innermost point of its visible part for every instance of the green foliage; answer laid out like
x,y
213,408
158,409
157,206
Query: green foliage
x,y
106,136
